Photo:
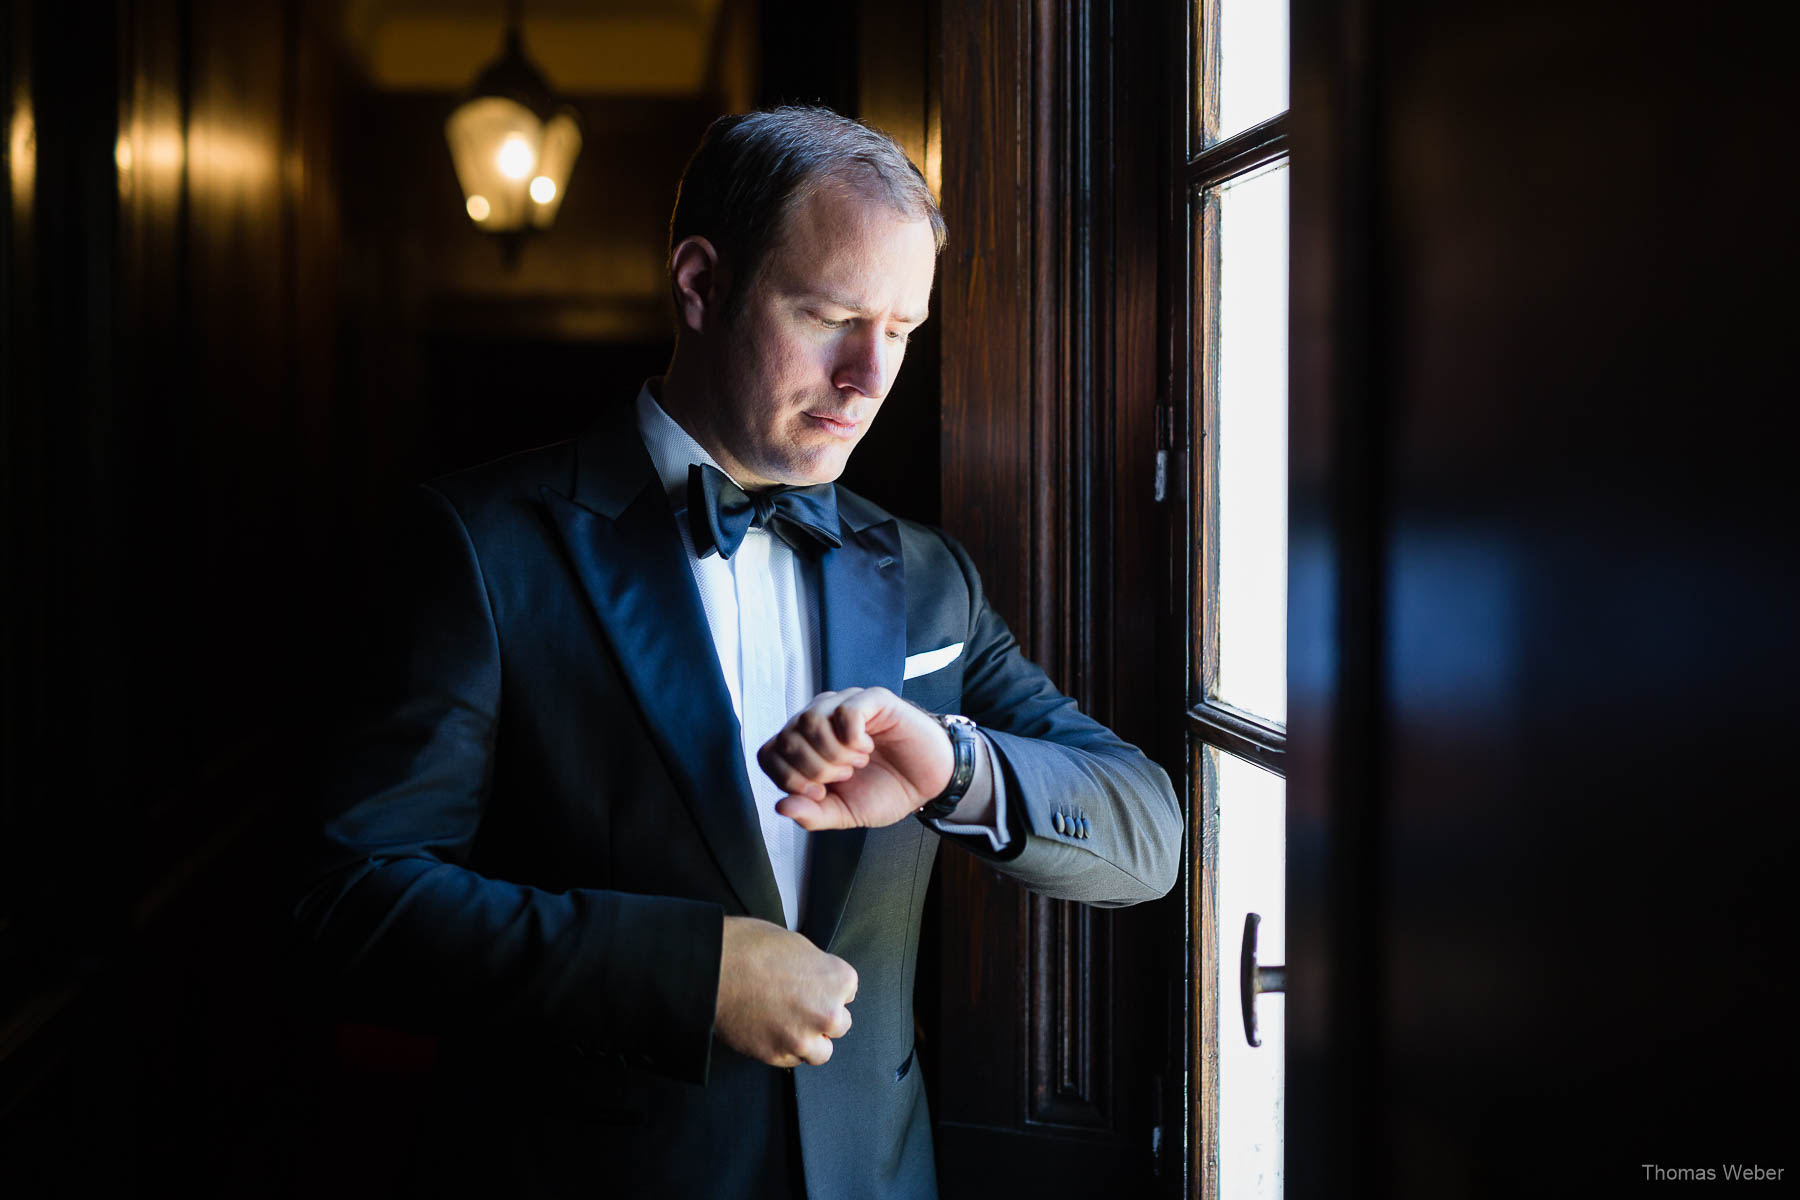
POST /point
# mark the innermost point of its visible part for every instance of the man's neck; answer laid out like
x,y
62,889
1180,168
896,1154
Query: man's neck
x,y
680,393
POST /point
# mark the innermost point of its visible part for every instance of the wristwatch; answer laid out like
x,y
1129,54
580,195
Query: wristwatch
x,y
962,773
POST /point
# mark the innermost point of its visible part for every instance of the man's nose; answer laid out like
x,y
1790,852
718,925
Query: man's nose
x,y
865,363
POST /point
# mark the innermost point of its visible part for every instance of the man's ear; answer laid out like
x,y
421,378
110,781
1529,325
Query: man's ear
x,y
700,281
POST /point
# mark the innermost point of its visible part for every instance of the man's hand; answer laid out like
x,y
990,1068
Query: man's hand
x,y
861,757
781,998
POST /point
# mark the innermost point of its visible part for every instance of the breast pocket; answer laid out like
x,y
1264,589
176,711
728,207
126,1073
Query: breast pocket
x,y
934,678
930,662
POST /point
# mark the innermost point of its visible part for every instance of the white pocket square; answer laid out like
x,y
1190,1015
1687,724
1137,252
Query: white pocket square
x,y
931,660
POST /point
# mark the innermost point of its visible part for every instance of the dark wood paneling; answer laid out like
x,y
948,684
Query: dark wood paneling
x,y
1335,451
1051,123
63,533
169,427
896,79
987,455
1544,694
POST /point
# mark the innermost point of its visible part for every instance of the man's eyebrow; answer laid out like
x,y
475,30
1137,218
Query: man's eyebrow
x,y
859,310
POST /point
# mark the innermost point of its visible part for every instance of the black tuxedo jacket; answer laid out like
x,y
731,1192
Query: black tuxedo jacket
x,y
543,814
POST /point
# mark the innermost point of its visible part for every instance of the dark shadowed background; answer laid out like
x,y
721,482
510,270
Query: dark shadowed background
x,y
1543,636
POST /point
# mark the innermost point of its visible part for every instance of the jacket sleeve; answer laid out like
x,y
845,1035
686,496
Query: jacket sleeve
x,y
390,910
1121,835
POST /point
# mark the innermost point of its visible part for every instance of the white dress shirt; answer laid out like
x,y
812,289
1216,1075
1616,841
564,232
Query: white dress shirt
x,y
762,607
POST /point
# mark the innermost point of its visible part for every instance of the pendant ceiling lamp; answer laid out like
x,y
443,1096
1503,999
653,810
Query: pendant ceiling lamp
x,y
513,143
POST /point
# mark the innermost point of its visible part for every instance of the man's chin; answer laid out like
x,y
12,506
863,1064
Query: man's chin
x,y
811,471
814,480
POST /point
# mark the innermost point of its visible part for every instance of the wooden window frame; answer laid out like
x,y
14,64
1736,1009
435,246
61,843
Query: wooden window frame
x,y
1203,161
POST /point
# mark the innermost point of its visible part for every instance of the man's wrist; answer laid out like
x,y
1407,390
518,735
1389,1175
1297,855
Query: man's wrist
x,y
982,813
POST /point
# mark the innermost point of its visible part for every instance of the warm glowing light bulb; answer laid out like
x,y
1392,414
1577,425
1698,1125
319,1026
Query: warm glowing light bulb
x,y
516,158
478,208
543,189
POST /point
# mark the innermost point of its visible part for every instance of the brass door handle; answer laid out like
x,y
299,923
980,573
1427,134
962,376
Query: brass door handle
x,y
1254,980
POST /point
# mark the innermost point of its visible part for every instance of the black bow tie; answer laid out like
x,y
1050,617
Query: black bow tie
x,y
720,513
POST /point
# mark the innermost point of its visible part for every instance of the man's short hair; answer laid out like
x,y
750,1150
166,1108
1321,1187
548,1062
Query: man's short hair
x,y
751,169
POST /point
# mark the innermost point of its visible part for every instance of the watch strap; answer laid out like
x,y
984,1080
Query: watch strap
x,y
962,772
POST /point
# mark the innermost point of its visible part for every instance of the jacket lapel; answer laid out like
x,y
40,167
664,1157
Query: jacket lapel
x,y
622,540
862,611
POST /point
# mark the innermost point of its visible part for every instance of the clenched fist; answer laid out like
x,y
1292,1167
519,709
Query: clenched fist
x,y
859,757
781,998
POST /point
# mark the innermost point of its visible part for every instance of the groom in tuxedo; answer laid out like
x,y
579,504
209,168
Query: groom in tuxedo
x,y
663,731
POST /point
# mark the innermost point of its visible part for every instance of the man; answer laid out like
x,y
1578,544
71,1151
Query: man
x,y
635,819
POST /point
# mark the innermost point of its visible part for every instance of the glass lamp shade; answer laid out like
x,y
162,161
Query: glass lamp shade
x,y
513,165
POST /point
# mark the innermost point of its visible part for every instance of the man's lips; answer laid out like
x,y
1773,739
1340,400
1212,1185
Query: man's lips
x,y
839,425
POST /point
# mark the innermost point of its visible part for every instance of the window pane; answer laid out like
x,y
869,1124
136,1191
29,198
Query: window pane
x,y
1251,878
1253,63
1250,435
